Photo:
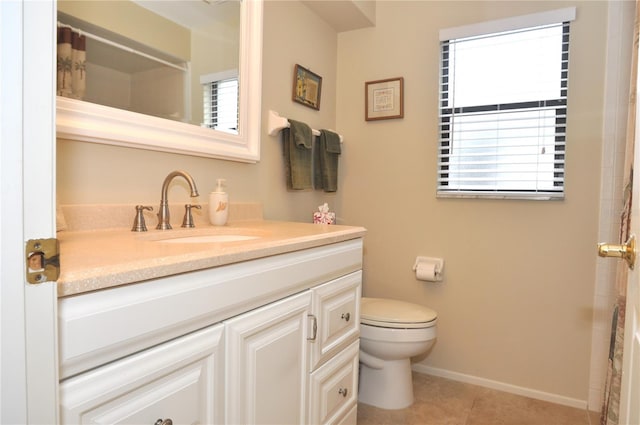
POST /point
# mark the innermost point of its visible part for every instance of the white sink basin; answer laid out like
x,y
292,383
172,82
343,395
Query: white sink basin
x,y
209,239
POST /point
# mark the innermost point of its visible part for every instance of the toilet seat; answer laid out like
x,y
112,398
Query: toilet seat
x,y
396,314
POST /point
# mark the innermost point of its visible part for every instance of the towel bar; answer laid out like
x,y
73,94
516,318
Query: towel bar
x,y
276,123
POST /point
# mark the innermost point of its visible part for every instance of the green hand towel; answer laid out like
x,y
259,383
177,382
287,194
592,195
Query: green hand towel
x,y
326,159
297,151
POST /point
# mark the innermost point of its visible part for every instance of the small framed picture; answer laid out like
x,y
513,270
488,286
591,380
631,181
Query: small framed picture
x,y
384,99
307,87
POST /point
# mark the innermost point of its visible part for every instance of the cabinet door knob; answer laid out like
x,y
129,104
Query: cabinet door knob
x,y
314,327
343,392
346,316
164,422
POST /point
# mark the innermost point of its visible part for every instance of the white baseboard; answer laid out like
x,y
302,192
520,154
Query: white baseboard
x,y
501,386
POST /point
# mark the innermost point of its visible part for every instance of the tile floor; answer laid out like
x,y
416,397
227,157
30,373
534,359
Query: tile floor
x,y
440,401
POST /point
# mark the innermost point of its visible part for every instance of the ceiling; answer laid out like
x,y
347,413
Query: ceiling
x,y
345,15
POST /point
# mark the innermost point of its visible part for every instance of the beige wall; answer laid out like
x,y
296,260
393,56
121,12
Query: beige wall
x,y
516,302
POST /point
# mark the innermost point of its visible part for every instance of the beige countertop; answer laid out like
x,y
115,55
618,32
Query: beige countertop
x,y
97,259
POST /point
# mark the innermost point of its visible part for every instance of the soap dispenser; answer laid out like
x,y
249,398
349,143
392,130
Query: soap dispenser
x,y
219,205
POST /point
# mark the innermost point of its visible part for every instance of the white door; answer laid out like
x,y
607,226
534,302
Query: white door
x,y
630,392
629,413
28,368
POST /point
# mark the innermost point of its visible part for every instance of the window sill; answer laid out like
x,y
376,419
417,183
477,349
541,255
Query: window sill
x,y
538,196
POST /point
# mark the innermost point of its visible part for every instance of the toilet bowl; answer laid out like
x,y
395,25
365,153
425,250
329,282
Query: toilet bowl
x,y
391,332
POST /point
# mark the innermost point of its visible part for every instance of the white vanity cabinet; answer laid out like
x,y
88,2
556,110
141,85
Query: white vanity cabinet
x,y
270,340
273,356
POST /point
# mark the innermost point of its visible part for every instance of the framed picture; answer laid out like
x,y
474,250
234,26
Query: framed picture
x,y
384,99
307,87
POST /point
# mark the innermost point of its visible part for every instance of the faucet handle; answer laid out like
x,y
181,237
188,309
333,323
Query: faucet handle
x,y
187,221
138,222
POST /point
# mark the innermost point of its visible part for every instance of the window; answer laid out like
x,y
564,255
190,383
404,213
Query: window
x,y
220,94
503,108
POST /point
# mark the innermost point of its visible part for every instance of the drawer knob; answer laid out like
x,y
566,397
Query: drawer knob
x,y
346,316
343,392
164,422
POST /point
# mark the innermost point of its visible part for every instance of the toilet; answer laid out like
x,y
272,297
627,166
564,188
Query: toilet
x,y
391,332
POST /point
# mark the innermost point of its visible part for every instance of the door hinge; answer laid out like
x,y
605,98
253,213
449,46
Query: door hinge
x,y
43,260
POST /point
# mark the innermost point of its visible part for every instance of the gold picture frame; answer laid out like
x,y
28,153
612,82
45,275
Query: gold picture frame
x,y
384,99
307,87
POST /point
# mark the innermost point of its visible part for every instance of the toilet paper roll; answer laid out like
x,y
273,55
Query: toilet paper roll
x,y
426,271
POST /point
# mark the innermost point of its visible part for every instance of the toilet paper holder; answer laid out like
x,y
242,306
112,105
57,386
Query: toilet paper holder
x,y
438,265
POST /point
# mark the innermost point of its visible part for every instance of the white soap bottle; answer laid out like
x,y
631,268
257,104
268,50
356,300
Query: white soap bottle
x,y
219,205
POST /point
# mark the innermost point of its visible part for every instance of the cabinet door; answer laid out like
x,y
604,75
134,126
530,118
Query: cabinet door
x,y
336,304
179,380
266,352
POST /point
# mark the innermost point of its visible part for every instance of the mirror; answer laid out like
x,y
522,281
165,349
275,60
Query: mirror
x,y
89,120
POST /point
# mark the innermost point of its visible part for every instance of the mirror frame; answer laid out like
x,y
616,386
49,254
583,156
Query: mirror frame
x,y
90,122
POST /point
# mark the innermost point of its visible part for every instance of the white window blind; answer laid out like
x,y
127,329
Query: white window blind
x,y
220,94
503,107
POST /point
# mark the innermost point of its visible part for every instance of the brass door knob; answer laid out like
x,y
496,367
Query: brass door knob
x,y
626,251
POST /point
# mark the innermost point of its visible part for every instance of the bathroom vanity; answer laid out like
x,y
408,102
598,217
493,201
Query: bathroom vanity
x,y
160,327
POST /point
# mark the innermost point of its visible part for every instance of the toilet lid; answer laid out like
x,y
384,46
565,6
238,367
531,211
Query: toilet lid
x,y
395,314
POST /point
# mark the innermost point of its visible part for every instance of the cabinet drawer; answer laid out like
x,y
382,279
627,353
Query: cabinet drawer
x,y
336,306
351,418
179,380
333,387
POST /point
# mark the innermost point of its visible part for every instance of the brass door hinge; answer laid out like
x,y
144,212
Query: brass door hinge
x,y
43,260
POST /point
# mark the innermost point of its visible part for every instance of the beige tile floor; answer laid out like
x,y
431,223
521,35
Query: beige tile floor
x,y
440,401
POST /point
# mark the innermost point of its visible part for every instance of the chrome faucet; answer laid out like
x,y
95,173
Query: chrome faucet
x,y
163,213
